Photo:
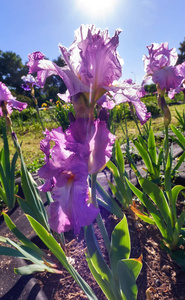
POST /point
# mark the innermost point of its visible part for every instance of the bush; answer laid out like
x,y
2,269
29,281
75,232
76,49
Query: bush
x,y
27,114
152,105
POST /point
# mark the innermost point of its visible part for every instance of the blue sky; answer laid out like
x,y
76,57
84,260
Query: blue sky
x,y
27,26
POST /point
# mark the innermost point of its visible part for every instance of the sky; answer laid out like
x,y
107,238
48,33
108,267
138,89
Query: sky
x,y
40,25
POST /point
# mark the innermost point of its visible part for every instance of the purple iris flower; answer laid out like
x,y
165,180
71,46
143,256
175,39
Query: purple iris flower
x,y
29,81
92,141
93,67
70,209
66,175
127,91
92,63
7,99
160,65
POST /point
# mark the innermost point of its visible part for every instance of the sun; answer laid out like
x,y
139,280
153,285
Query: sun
x,y
97,8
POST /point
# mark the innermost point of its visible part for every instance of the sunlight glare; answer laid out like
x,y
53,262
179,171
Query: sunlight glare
x,y
97,8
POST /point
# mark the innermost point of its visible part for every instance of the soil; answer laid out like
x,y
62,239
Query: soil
x,y
160,276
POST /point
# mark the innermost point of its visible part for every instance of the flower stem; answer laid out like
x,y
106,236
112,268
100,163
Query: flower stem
x,y
99,218
38,114
166,142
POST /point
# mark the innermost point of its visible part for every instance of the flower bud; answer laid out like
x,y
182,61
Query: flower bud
x,y
162,105
167,116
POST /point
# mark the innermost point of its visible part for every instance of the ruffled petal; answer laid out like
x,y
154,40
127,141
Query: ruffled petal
x,y
71,209
160,56
127,91
6,96
17,104
167,78
92,141
100,147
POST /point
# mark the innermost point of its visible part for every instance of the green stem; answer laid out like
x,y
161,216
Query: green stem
x,y
135,119
38,114
166,147
166,142
99,218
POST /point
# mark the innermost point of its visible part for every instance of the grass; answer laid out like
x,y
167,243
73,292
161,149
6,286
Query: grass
x,y
31,135
157,124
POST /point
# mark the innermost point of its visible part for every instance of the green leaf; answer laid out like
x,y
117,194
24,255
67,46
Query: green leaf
x,y
10,252
34,205
29,269
112,168
155,213
6,154
119,158
55,248
160,157
120,244
157,196
95,255
116,192
4,184
27,252
142,216
121,190
175,192
49,241
152,146
179,135
3,195
7,173
178,226
12,173
118,213
180,161
128,271
3,239
145,156
99,264
167,183
108,202
21,236
178,256
101,282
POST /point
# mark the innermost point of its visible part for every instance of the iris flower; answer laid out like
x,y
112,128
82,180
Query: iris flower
x,y
92,62
7,99
130,92
84,148
160,65
29,82
92,141
93,67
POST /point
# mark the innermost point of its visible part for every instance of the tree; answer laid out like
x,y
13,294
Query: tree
x,y
11,70
181,57
150,88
